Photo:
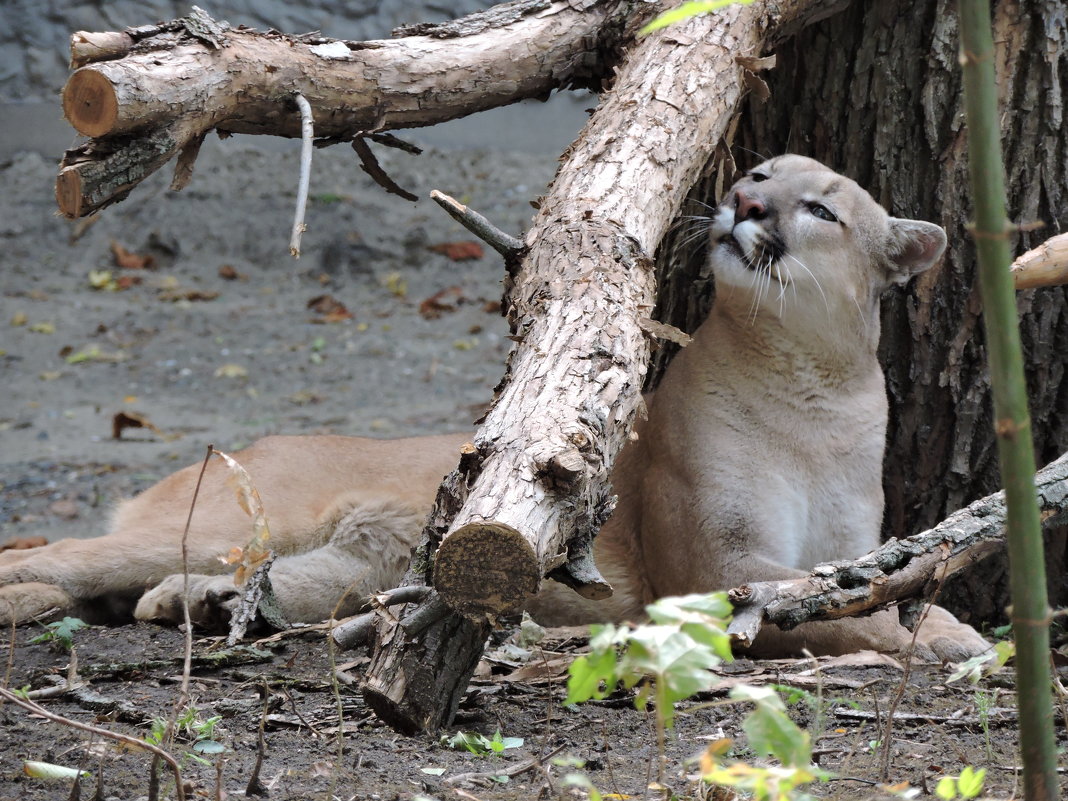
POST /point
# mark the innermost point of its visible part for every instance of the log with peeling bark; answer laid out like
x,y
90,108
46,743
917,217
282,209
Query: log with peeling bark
x,y
530,496
1046,265
147,94
897,570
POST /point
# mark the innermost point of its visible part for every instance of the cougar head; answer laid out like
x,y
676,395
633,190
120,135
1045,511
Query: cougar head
x,y
794,237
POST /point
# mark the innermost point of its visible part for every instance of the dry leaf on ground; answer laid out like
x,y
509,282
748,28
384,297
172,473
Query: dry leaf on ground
x,y
128,260
458,251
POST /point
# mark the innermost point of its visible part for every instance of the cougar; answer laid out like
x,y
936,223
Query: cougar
x,y
761,456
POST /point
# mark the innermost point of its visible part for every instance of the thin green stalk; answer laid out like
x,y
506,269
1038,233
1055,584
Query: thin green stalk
x,y
1030,607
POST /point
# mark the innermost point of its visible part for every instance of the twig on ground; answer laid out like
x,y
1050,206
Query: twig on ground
x,y
307,131
515,770
187,658
357,630
371,166
900,693
255,786
133,743
505,244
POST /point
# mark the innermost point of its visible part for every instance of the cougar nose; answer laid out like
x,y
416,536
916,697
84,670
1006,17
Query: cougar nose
x,y
748,208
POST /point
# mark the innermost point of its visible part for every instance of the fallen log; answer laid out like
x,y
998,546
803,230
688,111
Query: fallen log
x,y
147,94
531,493
899,569
1046,265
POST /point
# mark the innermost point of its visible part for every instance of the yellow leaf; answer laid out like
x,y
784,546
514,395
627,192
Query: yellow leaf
x,y
231,371
248,498
46,770
43,328
19,318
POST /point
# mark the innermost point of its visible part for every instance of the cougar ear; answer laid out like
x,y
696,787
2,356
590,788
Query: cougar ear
x,y
912,247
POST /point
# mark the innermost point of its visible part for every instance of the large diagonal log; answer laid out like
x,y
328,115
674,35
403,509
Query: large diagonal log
x,y
897,570
159,89
533,490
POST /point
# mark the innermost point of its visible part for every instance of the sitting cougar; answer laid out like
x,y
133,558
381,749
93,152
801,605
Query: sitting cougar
x,y
761,457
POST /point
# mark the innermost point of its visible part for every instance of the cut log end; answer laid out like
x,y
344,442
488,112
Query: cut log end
x,y
89,103
486,569
69,193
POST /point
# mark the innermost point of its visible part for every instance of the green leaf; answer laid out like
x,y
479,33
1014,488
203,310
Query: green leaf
x,y
947,788
970,782
687,10
468,741
587,673
208,747
433,771
771,731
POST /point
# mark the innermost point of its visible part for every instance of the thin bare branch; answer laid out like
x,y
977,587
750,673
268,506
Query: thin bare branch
x,y
508,246
133,743
307,131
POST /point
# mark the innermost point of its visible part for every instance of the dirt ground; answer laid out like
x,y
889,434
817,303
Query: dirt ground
x,y
215,342
285,686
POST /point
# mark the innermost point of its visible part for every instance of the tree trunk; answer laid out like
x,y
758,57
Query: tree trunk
x,y
875,92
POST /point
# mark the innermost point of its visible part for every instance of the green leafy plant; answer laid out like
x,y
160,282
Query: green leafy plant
x,y
671,657
968,785
62,632
480,744
192,728
770,733
985,664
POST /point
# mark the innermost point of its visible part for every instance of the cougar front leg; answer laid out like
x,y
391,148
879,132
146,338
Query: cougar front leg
x,y
367,551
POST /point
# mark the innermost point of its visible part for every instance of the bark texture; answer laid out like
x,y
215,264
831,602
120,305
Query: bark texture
x,y
158,89
898,570
875,93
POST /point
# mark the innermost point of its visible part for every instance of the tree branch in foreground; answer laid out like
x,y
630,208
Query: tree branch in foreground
x,y
532,489
896,570
144,94
1046,265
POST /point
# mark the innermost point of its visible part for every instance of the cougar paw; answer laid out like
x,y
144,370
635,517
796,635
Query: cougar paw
x,y
24,602
212,599
947,639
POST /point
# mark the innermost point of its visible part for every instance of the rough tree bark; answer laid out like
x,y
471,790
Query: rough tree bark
x,y
898,570
875,92
150,93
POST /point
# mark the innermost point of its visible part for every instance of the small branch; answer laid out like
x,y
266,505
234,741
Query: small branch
x,y
255,590
896,570
371,166
357,630
389,140
130,742
515,770
307,132
1046,265
505,244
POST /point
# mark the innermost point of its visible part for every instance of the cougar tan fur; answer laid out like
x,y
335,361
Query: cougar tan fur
x,y
761,457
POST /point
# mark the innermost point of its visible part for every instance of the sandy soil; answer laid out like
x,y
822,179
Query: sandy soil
x,y
285,685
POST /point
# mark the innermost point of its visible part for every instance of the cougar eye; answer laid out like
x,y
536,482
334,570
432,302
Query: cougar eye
x,y
757,176
822,212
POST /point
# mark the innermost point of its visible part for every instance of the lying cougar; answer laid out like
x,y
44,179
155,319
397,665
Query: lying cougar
x,y
761,457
